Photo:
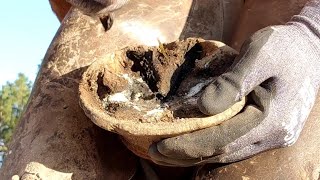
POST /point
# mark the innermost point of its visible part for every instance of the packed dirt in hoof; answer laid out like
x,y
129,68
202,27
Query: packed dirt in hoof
x,y
162,83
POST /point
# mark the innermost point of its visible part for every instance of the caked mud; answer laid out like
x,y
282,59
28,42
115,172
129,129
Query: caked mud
x,y
162,83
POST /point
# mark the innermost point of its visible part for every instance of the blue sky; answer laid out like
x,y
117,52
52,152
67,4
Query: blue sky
x,y
26,31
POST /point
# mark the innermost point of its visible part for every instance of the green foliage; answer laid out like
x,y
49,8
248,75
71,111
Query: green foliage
x,y
13,98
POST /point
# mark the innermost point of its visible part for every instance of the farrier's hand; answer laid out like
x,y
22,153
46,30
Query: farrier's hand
x,y
279,67
99,8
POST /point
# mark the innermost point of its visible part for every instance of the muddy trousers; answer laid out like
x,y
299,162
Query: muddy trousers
x,y
56,140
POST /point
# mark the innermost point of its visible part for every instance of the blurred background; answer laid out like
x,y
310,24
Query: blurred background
x,y
27,29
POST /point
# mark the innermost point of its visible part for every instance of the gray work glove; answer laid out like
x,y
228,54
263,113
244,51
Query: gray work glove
x,y
279,69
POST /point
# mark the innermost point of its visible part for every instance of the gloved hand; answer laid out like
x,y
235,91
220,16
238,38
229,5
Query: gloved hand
x,y
279,68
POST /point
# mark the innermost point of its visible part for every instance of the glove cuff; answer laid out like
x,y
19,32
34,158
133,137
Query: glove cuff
x,y
309,17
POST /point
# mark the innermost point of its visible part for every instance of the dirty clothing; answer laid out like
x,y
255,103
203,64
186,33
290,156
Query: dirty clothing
x,y
192,18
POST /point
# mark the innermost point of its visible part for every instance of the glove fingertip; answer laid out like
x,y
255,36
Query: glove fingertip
x,y
152,150
165,146
218,96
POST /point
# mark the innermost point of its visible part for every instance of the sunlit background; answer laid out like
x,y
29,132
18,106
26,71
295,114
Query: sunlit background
x,y
25,34
26,31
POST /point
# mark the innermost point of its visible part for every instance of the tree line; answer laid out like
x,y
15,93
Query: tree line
x,y
13,99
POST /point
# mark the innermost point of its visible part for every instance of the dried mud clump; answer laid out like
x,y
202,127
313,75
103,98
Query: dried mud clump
x,y
154,84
